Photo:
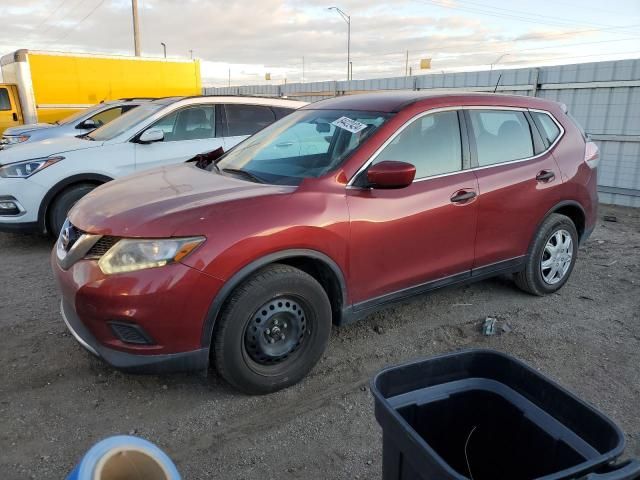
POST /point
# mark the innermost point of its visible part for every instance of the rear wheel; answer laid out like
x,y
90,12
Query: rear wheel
x,y
63,203
552,257
273,330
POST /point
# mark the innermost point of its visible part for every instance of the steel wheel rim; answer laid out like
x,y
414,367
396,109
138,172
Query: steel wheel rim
x,y
557,257
276,331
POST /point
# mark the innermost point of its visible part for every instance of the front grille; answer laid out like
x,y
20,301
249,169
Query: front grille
x,y
130,333
101,247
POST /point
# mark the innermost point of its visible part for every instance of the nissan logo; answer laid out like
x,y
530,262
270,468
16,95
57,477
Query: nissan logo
x,y
65,237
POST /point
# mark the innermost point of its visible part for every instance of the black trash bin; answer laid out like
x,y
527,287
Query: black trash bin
x,y
484,415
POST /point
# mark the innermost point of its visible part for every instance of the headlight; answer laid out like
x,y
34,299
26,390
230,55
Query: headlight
x,y
28,167
13,139
129,255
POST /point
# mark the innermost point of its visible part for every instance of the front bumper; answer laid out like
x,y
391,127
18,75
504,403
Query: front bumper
x,y
172,362
169,304
28,195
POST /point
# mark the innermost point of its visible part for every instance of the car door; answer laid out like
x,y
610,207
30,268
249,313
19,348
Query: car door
x,y
9,113
415,236
187,132
243,120
519,182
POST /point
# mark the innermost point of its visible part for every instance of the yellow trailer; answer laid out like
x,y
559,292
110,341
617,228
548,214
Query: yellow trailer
x,y
49,86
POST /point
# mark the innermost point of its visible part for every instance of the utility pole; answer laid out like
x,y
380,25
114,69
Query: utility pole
x,y
229,76
303,69
191,54
136,27
164,48
406,64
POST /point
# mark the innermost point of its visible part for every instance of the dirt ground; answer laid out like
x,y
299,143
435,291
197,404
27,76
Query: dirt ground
x,y
56,400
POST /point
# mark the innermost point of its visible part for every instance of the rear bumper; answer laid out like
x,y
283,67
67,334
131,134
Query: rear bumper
x,y
164,363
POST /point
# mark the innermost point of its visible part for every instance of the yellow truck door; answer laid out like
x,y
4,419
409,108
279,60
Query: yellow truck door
x,y
9,107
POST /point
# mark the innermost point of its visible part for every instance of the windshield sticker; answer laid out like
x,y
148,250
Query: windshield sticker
x,y
352,126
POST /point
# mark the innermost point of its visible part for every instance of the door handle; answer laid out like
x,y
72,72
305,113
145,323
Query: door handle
x,y
15,116
545,176
463,196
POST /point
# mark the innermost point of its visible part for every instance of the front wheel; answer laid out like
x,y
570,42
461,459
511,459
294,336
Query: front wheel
x,y
273,330
552,257
63,203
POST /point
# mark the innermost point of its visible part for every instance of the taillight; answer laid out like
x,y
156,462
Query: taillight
x,y
592,155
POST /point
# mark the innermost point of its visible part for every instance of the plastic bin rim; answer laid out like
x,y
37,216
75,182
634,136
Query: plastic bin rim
x,y
373,385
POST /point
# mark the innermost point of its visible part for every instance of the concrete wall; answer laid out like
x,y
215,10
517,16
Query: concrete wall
x,y
603,96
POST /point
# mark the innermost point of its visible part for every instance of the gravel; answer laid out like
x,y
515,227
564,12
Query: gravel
x,y
56,400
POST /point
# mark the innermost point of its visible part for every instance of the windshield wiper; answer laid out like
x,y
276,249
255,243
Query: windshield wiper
x,y
243,173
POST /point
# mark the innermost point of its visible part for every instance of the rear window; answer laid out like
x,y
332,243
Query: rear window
x,y
501,136
547,126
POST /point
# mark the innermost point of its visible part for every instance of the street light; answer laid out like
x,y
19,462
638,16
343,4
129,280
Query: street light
x,y
164,47
495,62
347,19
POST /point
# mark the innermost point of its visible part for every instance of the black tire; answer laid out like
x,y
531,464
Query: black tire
x,y
531,279
63,203
241,336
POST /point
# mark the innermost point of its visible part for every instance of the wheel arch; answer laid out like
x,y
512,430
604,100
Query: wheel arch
x,y
569,208
58,188
320,266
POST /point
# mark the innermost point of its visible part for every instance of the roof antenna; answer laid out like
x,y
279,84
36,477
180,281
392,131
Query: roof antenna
x,y
497,83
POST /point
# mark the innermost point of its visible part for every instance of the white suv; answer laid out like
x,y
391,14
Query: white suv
x,y
40,182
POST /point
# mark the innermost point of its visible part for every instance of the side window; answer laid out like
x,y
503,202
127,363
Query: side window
x,y
432,144
247,119
282,112
501,136
192,123
106,116
5,103
548,128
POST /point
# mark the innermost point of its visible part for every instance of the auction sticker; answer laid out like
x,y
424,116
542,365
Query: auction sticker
x,y
346,123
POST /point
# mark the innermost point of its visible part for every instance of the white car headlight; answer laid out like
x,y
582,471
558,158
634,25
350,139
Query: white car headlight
x,y
28,167
129,255
13,139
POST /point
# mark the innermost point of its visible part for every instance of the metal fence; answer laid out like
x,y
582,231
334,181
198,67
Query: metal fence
x,y
603,96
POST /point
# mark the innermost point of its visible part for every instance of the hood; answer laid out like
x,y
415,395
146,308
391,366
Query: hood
x,y
44,148
22,129
155,203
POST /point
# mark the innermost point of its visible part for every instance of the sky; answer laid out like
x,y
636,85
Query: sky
x,y
238,42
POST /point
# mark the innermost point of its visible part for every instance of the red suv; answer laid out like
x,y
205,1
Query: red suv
x,y
338,209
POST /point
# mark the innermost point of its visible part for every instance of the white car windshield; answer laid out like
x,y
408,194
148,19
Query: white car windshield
x,y
306,143
124,122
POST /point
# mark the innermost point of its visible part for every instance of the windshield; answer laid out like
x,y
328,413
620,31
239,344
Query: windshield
x,y
78,115
306,143
124,122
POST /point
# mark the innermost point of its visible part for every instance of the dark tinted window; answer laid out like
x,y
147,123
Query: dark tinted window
x,y
247,119
5,104
431,143
282,112
501,136
548,128
193,123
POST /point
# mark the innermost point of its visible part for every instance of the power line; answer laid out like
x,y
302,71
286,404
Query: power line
x,y
48,17
535,15
78,23
497,14
75,5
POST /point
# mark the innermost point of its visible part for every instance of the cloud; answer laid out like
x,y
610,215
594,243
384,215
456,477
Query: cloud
x,y
255,37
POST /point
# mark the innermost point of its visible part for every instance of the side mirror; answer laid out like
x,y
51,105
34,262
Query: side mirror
x,y
391,174
151,135
88,124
